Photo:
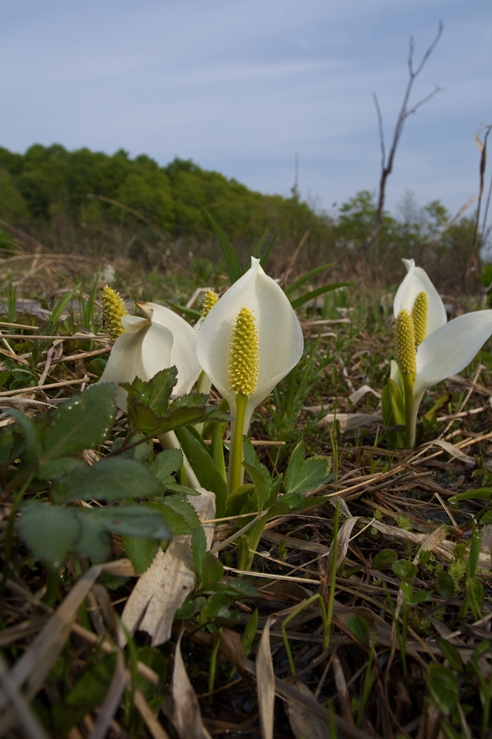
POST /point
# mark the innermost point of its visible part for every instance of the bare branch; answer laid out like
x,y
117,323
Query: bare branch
x,y
405,112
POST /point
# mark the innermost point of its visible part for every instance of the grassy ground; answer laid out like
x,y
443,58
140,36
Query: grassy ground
x,y
389,638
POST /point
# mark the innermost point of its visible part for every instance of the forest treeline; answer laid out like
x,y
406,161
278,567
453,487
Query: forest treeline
x,y
91,200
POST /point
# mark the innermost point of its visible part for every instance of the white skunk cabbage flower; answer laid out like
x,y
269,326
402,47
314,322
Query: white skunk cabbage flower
x,y
428,348
279,338
148,345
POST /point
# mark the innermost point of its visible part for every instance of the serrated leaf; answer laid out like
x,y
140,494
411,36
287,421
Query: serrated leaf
x,y
141,418
182,507
166,464
304,475
140,521
141,552
110,480
50,532
156,392
81,423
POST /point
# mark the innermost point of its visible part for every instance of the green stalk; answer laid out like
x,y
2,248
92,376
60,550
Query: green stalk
x,y
333,578
169,440
235,475
410,416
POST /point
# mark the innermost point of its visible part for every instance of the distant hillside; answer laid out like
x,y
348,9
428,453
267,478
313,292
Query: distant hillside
x,y
48,183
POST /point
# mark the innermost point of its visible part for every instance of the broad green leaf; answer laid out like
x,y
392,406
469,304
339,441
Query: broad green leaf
x,y
304,475
404,569
443,687
202,463
414,597
306,297
110,479
141,552
290,289
94,540
57,468
231,260
156,392
259,474
237,499
50,532
384,559
129,520
445,585
166,463
81,423
141,418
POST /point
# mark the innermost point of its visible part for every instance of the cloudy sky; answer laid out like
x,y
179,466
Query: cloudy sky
x,y
240,86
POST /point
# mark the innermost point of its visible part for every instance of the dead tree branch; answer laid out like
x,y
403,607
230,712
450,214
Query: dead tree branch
x,y
405,112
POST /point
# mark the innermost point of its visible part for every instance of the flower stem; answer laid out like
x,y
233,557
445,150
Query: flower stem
x,y
235,474
169,440
410,416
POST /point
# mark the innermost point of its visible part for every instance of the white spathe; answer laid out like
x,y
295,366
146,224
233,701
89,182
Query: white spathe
x,y
448,347
149,345
280,335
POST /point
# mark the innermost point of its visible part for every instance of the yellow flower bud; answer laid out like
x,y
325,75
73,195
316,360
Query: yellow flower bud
x,y
420,310
113,311
209,301
406,353
244,354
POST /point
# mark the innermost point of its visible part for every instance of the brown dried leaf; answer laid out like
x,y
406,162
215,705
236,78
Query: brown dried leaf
x,y
304,724
265,677
163,587
187,718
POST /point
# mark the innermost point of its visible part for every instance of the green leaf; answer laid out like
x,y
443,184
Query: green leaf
x,y
393,409
290,289
181,507
359,627
231,260
57,468
26,428
111,479
384,559
450,653
141,418
306,297
156,392
259,474
474,553
166,463
50,532
268,249
201,461
249,633
237,499
94,540
443,686
304,475
140,521
212,569
476,596
405,570
87,694
141,552
471,494
81,423
199,549
445,585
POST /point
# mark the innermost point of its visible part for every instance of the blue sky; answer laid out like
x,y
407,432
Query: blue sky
x,y
240,86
